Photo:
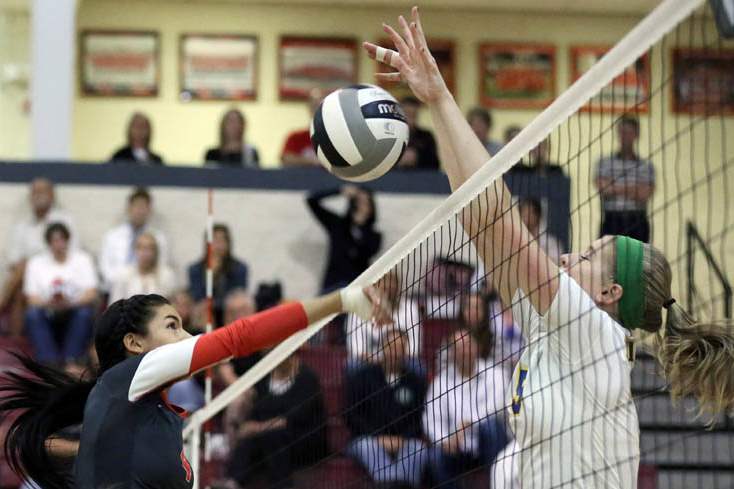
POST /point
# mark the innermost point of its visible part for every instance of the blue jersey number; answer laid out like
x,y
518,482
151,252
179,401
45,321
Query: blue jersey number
x,y
517,396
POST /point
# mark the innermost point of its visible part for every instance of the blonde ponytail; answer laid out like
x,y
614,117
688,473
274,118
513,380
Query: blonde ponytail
x,y
697,359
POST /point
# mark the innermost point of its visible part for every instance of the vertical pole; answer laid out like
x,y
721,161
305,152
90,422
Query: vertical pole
x,y
210,312
195,455
52,84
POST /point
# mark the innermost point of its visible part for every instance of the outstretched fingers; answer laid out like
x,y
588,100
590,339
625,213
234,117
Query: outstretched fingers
x,y
398,41
389,77
407,32
422,44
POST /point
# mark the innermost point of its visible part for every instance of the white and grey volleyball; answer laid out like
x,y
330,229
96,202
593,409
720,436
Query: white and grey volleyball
x,y
359,132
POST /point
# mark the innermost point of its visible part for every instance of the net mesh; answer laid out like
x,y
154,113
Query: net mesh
x,y
470,387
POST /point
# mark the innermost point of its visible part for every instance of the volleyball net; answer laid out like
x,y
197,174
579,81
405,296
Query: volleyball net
x,y
467,389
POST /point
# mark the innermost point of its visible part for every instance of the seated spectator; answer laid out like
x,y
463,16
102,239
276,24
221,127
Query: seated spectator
x,y
60,286
531,213
229,273
353,241
539,162
146,275
385,402
285,428
511,132
463,416
363,337
237,304
421,153
474,317
137,150
298,150
118,244
232,150
480,120
26,240
183,303
499,339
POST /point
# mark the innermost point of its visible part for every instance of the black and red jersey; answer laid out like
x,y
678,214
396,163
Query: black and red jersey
x,y
131,436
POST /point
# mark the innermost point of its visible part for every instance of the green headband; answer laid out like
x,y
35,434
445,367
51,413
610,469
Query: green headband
x,y
629,276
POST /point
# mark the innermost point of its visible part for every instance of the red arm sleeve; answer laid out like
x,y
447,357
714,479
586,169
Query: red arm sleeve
x,y
248,335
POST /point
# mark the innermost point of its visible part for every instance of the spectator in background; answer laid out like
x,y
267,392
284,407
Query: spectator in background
x,y
511,132
498,338
26,240
298,150
463,415
539,162
60,286
137,150
237,304
118,244
420,154
229,272
183,303
474,317
386,404
284,428
147,275
531,213
363,337
353,241
625,183
232,150
480,120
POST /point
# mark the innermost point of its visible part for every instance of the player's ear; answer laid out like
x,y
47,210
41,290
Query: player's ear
x,y
132,343
609,295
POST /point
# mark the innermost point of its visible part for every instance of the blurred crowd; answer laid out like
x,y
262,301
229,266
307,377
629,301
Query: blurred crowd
x,y
421,400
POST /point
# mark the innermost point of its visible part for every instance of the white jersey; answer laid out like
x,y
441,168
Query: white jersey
x,y
571,406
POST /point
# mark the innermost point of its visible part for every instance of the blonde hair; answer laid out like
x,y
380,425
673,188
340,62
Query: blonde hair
x,y
696,358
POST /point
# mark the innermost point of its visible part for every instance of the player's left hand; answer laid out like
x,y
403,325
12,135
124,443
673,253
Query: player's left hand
x,y
380,306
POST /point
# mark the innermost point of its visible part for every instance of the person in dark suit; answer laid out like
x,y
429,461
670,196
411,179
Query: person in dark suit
x,y
233,151
137,150
353,240
420,153
386,401
284,426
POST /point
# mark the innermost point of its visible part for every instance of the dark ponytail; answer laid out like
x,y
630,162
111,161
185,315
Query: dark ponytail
x,y
50,400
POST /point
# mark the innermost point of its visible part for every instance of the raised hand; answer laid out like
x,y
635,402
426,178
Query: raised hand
x,y
413,60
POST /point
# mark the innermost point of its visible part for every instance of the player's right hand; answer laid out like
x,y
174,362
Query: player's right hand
x,y
413,60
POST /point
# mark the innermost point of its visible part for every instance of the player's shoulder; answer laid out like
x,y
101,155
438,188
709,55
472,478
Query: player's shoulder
x,y
119,377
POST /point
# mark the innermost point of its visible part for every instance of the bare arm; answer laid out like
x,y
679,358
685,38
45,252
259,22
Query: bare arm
x,y
174,361
495,227
61,447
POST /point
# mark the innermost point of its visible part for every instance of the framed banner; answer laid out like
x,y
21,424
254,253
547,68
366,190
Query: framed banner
x,y
442,51
517,75
119,63
703,81
218,67
630,91
315,62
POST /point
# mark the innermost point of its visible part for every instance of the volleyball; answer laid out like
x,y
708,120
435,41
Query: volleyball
x,y
359,132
